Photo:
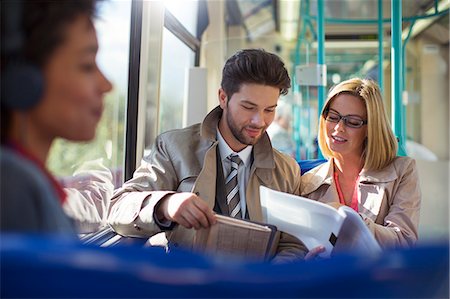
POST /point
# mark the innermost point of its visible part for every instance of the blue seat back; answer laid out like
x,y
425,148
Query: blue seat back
x,y
45,267
306,165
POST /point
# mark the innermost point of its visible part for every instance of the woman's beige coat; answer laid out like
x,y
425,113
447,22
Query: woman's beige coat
x,y
389,199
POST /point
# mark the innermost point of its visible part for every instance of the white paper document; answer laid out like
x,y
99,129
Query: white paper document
x,y
316,223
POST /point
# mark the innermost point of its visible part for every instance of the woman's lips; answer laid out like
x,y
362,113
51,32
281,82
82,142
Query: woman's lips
x,y
338,139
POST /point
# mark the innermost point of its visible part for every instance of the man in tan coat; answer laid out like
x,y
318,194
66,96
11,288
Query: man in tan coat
x,y
181,184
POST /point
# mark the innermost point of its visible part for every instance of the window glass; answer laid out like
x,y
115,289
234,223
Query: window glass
x,y
185,12
177,58
105,152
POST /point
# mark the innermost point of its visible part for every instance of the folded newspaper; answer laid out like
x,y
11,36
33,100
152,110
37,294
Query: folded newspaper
x,y
238,238
316,223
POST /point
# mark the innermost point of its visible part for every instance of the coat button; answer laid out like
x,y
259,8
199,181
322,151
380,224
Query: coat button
x,y
136,227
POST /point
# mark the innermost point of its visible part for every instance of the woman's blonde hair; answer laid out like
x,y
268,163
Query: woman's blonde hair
x,y
380,147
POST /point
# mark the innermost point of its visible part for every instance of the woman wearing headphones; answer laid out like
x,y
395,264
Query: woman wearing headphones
x,y
51,88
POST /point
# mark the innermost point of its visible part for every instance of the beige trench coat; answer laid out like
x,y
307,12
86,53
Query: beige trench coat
x,y
389,199
185,161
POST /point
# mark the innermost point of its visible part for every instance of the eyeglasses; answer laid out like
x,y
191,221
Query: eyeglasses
x,y
349,121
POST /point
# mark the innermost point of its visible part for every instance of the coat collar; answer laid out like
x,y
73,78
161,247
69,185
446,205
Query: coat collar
x,y
320,175
387,174
323,174
209,124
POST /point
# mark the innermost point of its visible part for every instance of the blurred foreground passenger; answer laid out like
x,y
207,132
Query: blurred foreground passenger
x,y
363,170
187,176
51,88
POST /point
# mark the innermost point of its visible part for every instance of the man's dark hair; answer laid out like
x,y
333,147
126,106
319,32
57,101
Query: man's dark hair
x,y
254,66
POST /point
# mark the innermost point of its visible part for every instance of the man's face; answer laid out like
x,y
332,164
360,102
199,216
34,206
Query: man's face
x,y
247,114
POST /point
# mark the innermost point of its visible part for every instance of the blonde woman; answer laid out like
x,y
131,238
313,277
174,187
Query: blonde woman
x,y
363,170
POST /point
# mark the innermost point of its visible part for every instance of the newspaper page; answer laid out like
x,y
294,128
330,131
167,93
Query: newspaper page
x,y
236,237
316,223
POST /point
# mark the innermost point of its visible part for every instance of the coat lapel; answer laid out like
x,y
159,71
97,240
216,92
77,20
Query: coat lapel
x,y
205,185
372,189
316,177
261,173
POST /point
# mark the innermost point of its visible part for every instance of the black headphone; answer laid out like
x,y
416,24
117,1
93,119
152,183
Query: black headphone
x,y
22,83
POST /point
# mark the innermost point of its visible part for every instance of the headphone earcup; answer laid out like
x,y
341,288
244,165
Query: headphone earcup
x,y
22,83
22,86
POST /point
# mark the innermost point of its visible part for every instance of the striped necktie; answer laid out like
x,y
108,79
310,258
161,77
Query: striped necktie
x,y
232,187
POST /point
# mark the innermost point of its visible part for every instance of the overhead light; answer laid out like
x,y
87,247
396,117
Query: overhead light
x,y
422,24
336,78
289,18
289,30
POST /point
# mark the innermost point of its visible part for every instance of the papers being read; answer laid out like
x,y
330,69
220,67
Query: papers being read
x,y
316,223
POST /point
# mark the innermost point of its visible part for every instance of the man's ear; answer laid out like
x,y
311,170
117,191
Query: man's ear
x,y
223,98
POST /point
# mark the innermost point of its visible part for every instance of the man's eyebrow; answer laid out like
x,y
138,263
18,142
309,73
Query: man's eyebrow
x,y
254,104
249,102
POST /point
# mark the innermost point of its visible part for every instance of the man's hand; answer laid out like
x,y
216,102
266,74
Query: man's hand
x,y
186,209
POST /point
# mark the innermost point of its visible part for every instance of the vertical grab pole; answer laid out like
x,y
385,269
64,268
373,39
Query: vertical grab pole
x,y
297,107
396,78
320,57
380,46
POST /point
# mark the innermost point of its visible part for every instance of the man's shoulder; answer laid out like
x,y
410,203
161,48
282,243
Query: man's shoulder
x,y
284,162
177,135
280,157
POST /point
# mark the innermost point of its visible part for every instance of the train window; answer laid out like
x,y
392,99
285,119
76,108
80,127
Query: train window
x,y
169,49
177,58
106,150
185,12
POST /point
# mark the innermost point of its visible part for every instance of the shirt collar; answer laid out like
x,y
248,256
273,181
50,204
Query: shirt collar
x,y
225,150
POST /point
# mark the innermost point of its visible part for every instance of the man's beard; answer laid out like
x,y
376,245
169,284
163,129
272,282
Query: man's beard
x,y
239,134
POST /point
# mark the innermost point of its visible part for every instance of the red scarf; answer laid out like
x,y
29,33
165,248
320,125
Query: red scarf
x,y
27,155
